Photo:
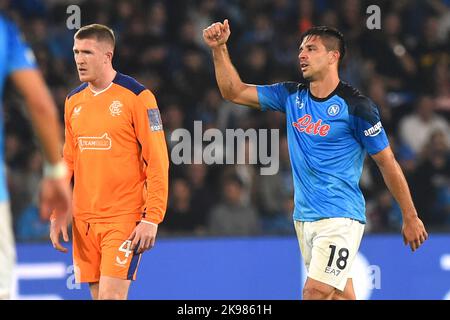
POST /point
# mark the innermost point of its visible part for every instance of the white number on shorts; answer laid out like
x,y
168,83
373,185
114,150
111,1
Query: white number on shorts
x,y
341,261
126,248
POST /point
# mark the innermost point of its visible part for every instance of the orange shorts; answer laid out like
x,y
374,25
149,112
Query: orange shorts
x,y
102,249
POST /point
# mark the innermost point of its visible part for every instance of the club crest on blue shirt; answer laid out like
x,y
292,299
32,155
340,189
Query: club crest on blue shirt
x,y
333,110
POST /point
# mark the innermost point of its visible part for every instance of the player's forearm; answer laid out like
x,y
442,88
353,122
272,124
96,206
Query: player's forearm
x,y
156,204
157,180
228,80
42,111
397,185
47,128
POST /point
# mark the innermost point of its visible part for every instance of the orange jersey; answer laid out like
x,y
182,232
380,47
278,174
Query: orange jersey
x,y
115,147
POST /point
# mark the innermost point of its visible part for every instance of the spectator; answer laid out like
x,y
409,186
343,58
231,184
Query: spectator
x,y
231,217
274,196
180,219
416,129
203,197
432,182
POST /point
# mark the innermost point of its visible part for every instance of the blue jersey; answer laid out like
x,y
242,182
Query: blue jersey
x,y
14,55
328,139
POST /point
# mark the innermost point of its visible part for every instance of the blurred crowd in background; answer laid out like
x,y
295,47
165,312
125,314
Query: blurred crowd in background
x,y
403,67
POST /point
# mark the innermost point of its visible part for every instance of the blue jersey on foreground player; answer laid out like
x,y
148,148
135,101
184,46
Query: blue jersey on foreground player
x,y
330,128
14,55
17,62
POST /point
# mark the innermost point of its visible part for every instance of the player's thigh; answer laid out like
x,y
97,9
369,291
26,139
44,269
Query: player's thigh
x,y
118,259
334,247
93,288
347,294
7,251
7,246
113,288
317,290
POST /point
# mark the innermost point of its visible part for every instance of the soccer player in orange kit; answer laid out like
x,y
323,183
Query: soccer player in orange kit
x,y
116,152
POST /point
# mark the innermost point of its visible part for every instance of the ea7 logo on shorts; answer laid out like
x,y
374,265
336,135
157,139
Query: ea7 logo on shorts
x,y
95,143
154,118
115,108
373,131
332,271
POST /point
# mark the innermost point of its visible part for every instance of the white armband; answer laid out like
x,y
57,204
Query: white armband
x,y
55,171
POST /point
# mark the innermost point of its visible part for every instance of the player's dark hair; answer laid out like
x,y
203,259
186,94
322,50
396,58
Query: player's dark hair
x,y
328,33
98,31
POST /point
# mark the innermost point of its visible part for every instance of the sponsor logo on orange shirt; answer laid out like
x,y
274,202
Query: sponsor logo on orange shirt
x,y
95,143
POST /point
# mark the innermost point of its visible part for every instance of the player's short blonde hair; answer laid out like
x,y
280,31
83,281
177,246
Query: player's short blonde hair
x,y
97,31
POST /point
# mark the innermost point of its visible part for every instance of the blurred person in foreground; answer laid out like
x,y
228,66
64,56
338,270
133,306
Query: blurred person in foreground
x,y
116,152
330,127
17,61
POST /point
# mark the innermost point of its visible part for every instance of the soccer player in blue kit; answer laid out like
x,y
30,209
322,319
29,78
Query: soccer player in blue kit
x,y
330,127
17,62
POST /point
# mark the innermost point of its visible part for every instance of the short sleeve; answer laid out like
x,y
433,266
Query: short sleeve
x,y
273,97
367,127
20,55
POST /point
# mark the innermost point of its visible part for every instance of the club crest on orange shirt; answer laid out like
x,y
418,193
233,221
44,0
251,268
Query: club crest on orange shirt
x,y
115,108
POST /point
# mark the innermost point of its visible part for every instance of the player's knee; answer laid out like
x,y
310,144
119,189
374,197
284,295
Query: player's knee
x,y
317,293
111,296
343,295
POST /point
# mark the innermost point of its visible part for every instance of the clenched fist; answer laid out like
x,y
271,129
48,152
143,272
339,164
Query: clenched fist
x,y
217,34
